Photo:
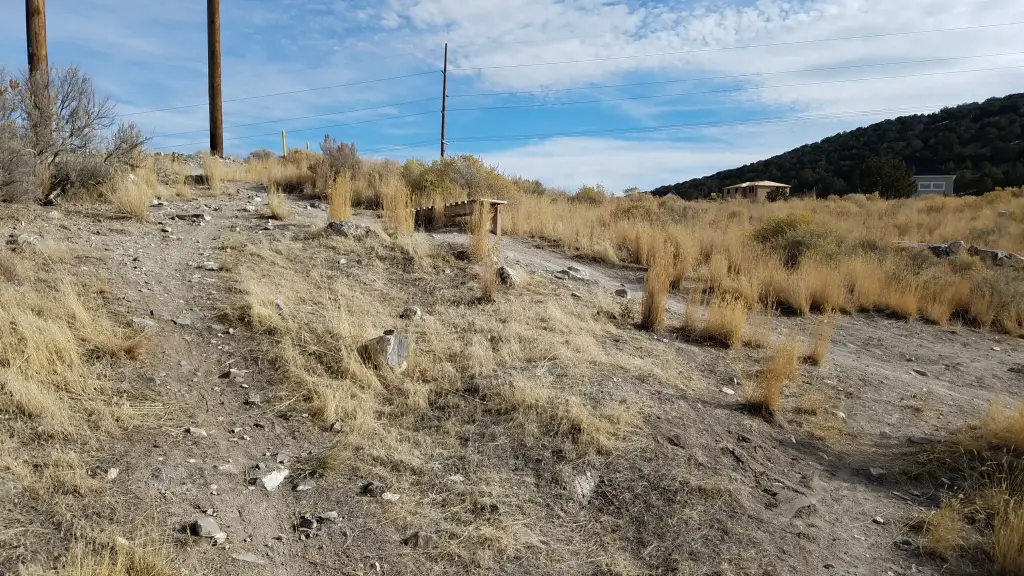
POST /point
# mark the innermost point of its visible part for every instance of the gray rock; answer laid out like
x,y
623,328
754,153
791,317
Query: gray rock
x,y
159,479
584,486
193,431
922,440
307,523
184,320
392,350
878,520
250,208
577,295
876,472
144,324
305,484
205,527
53,215
904,543
728,391
336,427
622,293
331,516
248,557
576,274
253,399
411,313
957,247
921,372
508,277
210,266
421,540
112,473
374,489
348,229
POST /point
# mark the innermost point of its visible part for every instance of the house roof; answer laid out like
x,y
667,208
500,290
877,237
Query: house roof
x,y
759,183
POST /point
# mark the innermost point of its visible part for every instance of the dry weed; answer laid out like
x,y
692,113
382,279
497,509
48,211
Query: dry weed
x,y
397,202
766,393
215,173
822,339
130,196
339,199
726,318
656,284
944,531
277,204
812,403
119,559
479,233
1008,536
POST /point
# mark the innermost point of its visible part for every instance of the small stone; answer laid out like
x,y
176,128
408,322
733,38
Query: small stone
x,y
904,543
411,313
878,520
728,391
210,266
331,516
233,374
205,527
273,480
279,304
996,348
112,473
622,293
336,427
196,432
250,208
876,472
577,295
420,540
166,229
457,478
220,537
305,485
307,523
584,486
53,215
838,414
389,497
922,440
253,399
144,324
921,372
248,557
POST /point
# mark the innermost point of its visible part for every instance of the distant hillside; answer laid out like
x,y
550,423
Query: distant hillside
x,y
982,143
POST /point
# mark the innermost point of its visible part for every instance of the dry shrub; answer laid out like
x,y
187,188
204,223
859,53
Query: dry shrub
x,y
119,559
277,204
766,393
215,173
1008,537
812,403
1001,428
822,339
479,233
656,284
397,203
488,280
940,299
944,531
129,195
339,199
691,313
726,318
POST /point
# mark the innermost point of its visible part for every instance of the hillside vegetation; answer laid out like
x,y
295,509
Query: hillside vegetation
x,y
980,142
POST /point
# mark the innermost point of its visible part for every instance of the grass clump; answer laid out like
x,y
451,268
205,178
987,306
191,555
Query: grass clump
x,y
215,173
766,393
822,339
277,204
944,531
656,284
726,318
130,196
339,199
1008,536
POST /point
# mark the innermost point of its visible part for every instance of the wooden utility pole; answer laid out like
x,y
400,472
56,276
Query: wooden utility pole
x,y
444,96
213,68
35,32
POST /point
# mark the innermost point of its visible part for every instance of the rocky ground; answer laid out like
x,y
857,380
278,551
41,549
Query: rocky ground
x,y
228,472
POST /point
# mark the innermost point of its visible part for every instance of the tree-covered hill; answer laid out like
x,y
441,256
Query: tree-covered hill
x,y
982,143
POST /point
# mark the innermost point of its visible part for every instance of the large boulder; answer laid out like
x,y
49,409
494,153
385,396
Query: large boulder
x,y
391,350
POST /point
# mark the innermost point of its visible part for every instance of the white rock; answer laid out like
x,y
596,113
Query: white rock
x,y
210,266
584,486
728,391
878,520
196,431
389,497
112,473
273,480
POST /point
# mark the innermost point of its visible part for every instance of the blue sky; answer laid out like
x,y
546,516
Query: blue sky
x,y
651,65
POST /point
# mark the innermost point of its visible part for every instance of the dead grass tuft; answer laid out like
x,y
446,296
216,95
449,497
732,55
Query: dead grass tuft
x,y
122,558
479,233
215,173
130,195
1008,536
656,285
822,339
488,271
944,531
766,393
339,199
726,318
277,204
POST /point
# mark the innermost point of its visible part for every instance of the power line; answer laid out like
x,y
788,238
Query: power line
x,y
723,48
726,90
305,117
280,93
732,76
757,121
299,131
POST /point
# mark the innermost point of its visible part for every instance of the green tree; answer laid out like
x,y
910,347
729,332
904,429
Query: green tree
x,y
887,175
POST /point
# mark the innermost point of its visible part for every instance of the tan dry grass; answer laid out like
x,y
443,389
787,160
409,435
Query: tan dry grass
x,y
215,173
130,196
277,204
821,339
119,559
656,285
339,199
945,531
766,393
725,321
488,280
480,233
1008,537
